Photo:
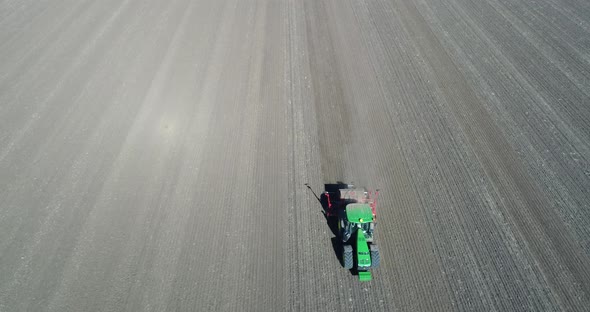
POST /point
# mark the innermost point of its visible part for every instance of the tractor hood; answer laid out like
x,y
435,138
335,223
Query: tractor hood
x,y
363,252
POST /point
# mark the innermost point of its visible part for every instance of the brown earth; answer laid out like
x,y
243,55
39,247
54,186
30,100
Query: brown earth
x,y
154,154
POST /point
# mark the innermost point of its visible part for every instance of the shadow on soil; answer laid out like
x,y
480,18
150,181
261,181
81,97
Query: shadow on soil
x,y
332,222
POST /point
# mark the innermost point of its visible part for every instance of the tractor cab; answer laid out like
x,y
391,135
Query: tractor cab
x,y
357,217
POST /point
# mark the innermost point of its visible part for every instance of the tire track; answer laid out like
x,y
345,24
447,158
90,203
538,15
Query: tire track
x,y
153,154
335,122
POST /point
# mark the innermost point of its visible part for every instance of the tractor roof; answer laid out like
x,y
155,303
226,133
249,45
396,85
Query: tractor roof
x,y
359,213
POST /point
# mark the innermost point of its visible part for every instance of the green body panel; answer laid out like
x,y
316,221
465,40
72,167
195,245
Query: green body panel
x,y
359,213
362,251
364,276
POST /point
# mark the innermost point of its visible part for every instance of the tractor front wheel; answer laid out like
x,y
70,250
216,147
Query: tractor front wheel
x,y
341,225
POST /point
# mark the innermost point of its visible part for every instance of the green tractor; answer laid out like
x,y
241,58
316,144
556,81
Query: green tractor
x,y
355,210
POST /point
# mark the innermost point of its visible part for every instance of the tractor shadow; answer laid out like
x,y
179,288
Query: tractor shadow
x,y
337,247
332,222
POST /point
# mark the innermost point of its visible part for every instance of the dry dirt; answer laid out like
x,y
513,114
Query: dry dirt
x,y
154,154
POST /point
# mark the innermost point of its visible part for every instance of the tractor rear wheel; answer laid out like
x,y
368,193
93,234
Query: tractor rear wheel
x,y
374,255
347,257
